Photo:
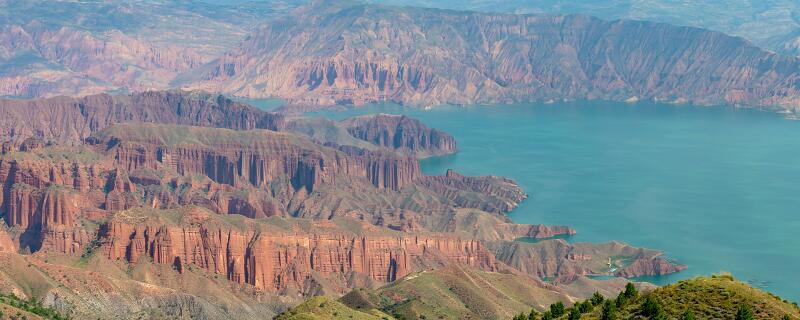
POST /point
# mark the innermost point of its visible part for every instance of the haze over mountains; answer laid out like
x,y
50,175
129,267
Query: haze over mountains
x,y
348,53
134,185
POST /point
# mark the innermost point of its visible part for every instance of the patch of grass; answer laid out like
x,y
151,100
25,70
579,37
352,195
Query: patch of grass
x,y
319,308
31,306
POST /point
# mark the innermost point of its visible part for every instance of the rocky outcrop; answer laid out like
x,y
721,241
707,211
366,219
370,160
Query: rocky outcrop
x,y
47,191
490,194
355,54
401,133
6,243
256,157
70,120
276,260
558,258
644,266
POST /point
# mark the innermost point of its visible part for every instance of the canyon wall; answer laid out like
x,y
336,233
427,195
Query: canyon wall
x,y
70,120
277,260
401,133
352,53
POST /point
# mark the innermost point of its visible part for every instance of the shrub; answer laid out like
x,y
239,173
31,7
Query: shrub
x,y
609,311
630,292
557,309
574,314
533,315
597,299
585,307
744,313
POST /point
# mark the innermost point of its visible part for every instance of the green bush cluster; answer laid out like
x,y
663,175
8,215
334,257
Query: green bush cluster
x,y
558,310
31,306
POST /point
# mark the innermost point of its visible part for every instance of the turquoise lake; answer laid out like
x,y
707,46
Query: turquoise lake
x,y
717,189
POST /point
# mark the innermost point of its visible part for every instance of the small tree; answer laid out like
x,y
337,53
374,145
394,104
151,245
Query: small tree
x,y
621,300
585,307
557,309
744,313
533,315
597,299
547,316
688,315
609,311
651,307
630,292
574,314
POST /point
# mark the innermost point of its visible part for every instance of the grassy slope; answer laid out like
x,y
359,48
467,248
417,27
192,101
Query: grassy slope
x,y
456,293
319,308
717,297
448,293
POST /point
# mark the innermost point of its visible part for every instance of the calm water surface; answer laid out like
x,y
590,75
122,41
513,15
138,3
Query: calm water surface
x,y
717,189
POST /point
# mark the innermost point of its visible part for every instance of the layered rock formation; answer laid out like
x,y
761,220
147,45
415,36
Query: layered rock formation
x,y
93,63
281,254
78,48
401,133
557,258
343,53
70,120
47,190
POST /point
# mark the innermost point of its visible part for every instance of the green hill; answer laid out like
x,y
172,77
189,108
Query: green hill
x,y
323,308
456,293
716,297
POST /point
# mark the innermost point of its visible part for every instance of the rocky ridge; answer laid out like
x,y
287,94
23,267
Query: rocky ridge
x,y
356,54
69,121
178,189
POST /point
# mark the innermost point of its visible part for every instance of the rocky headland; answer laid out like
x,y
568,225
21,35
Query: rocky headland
x,y
188,185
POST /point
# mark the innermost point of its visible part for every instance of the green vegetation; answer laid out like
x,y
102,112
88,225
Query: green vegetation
x,y
326,308
716,297
744,313
31,306
434,293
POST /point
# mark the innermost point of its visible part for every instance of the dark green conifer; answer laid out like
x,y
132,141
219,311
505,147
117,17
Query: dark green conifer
x,y
744,313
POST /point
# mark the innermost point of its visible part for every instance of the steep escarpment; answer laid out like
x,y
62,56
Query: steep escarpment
x,y
329,54
70,120
255,157
50,194
401,133
382,131
282,254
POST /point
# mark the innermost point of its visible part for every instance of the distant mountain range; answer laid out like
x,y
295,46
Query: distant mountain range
x,y
772,24
348,53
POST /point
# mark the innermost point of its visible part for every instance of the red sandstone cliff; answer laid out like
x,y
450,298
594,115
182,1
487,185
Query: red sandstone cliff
x,y
274,260
401,133
46,190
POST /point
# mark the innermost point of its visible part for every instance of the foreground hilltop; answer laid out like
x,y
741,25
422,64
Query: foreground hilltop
x,y
717,297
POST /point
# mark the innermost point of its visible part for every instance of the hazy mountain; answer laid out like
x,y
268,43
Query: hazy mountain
x,y
332,54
